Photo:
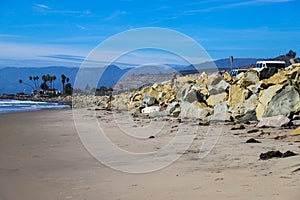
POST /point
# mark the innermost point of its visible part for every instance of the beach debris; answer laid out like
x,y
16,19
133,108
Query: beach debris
x,y
296,170
240,127
280,137
270,154
151,137
288,154
252,140
204,123
253,131
276,154
275,121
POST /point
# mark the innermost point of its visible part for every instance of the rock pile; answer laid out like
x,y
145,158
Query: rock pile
x,y
246,97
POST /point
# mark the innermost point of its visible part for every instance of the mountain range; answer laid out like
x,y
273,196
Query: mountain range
x,y
10,76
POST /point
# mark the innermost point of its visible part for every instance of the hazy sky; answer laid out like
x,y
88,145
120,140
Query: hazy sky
x,y
63,32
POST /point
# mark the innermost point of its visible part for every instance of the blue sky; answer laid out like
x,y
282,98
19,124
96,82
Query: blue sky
x,y
63,32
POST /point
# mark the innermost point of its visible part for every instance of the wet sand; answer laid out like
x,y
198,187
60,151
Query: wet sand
x,y
42,157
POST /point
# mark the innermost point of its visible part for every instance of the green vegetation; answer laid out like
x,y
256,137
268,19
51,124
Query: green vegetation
x,y
47,86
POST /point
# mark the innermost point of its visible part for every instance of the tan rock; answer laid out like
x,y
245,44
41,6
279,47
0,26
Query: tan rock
x,y
249,78
201,88
279,78
265,96
166,88
145,90
137,97
186,79
153,93
237,95
216,99
204,106
202,79
228,78
296,131
254,88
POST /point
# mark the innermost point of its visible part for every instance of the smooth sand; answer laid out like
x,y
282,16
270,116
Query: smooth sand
x,y
42,157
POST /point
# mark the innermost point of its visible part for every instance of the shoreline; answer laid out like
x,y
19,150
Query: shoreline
x,y
67,100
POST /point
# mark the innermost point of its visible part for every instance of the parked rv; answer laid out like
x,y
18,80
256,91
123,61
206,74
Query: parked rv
x,y
260,65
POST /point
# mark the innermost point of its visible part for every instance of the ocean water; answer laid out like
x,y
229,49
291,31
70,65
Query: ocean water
x,y
7,106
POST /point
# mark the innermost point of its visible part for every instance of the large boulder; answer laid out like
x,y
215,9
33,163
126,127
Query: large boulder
x,y
194,96
286,102
237,95
202,88
150,109
244,111
266,73
221,86
265,96
278,78
193,110
216,99
228,78
182,92
149,100
249,78
220,112
275,121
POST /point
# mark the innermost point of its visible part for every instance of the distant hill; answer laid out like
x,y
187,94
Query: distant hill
x,y
9,76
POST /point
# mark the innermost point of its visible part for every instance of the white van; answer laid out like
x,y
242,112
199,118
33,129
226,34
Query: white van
x,y
260,65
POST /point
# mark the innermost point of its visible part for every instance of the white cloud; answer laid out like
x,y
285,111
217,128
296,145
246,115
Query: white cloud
x,y
81,27
115,14
46,9
42,6
238,4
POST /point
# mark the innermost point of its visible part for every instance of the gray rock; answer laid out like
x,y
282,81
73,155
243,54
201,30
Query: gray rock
x,y
149,100
158,114
249,78
194,95
220,112
275,121
191,110
151,109
244,111
284,103
222,86
172,107
296,122
183,91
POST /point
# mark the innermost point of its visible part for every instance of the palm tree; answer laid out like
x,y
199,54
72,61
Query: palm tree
x,y
63,81
53,78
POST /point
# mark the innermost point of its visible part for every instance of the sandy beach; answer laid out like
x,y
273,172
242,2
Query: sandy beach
x,y
42,157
